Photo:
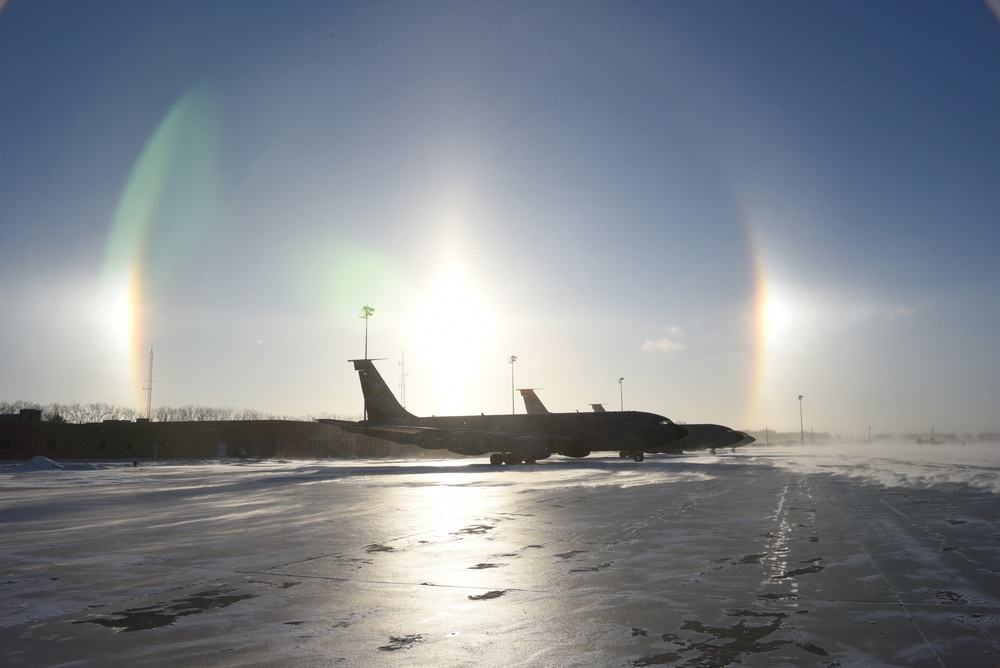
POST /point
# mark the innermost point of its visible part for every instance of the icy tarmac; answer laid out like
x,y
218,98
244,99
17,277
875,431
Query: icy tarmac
x,y
845,555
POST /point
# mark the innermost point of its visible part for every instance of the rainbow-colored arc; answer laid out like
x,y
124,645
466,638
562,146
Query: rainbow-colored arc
x,y
769,319
157,193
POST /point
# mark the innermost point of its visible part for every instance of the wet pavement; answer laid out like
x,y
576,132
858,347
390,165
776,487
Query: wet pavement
x,y
759,558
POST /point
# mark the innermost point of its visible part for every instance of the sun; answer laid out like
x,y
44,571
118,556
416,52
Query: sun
x,y
452,321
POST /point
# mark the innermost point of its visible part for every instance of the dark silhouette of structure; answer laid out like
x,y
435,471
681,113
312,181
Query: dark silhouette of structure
x,y
509,439
699,436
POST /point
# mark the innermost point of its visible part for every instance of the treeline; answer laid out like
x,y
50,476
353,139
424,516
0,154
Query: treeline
x,y
99,412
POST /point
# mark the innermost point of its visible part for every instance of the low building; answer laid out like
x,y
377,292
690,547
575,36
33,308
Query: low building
x,y
26,415
123,439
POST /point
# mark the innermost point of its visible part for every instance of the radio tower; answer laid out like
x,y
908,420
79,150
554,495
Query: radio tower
x,y
149,387
402,378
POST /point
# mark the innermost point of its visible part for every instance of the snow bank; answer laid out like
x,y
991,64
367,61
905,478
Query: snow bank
x,y
40,463
37,463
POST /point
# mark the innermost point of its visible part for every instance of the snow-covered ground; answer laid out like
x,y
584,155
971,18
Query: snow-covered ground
x,y
846,555
897,464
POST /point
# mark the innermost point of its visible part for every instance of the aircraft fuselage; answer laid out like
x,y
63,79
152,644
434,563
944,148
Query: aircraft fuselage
x,y
532,437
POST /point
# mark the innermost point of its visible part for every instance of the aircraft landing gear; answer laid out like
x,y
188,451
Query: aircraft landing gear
x,y
506,458
638,457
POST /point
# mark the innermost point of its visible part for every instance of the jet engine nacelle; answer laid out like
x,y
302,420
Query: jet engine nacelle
x,y
531,448
569,448
465,443
574,452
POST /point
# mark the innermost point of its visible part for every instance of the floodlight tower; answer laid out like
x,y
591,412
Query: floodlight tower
x,y
621,394
366,312
513,358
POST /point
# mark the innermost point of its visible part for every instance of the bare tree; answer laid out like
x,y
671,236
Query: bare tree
x,y
77,413
73,413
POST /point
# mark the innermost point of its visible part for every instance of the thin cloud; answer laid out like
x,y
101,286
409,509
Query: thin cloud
x,y
662,345
901,312
668,343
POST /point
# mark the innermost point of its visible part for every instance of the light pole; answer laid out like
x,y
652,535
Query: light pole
x,y
621,395
802,432
513,358
366,312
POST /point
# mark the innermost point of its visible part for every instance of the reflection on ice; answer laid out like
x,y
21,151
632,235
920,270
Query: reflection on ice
x,y
770,555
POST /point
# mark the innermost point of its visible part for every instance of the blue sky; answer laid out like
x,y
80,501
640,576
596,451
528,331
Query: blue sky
x,y
727,204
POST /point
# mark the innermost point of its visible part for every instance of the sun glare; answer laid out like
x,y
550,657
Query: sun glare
x,y
120,320
120,317
776,318
451,321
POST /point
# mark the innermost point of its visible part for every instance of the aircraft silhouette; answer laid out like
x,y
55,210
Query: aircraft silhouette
x,y
508,439
699,436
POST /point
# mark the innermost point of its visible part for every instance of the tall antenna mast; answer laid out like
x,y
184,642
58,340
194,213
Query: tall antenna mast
x,y
149,387
402,378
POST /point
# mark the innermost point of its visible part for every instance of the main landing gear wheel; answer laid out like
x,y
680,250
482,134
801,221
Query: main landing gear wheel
x,y
638,457
496,459
511,459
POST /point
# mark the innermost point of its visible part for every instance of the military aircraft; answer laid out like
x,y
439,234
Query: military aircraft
x,y
508,439
699,436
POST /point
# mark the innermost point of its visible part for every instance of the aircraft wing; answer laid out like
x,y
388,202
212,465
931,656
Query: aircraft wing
x,y
343,424
463,441
407,430
412,434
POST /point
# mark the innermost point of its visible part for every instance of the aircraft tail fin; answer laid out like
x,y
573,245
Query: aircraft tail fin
x,y
598,408
380,403
532,404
